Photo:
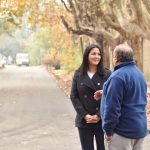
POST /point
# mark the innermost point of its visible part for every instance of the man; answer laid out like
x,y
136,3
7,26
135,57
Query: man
x,y
123,104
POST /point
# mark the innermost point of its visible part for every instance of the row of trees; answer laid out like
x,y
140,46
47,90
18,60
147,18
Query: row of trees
x,y
111,22
45,38
108,22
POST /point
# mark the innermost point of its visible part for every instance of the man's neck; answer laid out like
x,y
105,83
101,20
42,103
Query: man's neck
x,y
118,63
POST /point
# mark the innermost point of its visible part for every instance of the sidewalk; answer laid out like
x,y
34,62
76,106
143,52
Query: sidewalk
x,y
147,143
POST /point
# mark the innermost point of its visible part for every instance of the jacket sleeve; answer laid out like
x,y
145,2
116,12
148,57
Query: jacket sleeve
x,y
74,96
108,73
111,105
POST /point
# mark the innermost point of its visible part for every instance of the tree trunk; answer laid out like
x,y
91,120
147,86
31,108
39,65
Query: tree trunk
x,y
137,45
106,55
99,39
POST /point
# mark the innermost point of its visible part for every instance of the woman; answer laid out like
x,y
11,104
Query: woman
x,y
88,79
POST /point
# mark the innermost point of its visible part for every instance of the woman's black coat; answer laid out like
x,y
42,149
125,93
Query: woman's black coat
x,y
82,93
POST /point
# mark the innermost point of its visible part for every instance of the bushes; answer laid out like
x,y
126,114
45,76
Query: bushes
x,y
52,59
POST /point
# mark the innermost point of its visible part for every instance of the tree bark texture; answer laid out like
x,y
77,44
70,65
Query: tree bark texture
x,y
112,22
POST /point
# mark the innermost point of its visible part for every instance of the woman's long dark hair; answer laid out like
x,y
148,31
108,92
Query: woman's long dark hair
x,y
85,62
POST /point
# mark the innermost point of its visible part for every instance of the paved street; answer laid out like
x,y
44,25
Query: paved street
x,y
34,112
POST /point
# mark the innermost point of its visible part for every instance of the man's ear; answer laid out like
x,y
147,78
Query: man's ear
x,y
116,60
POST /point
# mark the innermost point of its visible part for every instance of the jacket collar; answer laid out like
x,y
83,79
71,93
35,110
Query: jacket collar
x,y
87,81
124,64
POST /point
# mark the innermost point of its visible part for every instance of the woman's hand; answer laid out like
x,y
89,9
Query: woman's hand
x,y
88,118
96,118
98,95
92,118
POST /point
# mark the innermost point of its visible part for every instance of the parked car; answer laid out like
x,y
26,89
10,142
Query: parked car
x,y
22,59
9,60
3,61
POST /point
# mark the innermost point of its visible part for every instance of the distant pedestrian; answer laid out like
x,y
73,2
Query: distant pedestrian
x,y
87,80
123,107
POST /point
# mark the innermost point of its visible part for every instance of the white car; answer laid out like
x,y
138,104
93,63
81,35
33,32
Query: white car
x,y
22,59
2,62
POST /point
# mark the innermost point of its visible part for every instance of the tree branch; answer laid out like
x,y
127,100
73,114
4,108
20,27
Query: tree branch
x,y
136,11
66,6
113,25
100,35
79,31
74,14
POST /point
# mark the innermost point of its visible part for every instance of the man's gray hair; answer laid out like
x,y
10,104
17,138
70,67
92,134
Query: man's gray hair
x,y
123,52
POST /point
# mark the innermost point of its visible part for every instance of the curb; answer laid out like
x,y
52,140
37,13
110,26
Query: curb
x,y
63,84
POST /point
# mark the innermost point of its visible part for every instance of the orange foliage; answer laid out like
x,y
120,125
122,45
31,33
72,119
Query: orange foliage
x,y
148,107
